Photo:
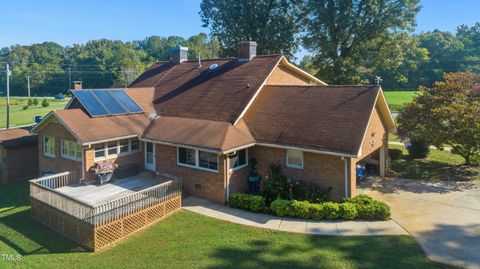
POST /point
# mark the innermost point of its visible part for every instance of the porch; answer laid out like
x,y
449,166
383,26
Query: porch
x,y
95,216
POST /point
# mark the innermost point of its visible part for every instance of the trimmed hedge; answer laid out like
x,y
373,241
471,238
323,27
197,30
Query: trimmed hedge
x,y
359,207
254,203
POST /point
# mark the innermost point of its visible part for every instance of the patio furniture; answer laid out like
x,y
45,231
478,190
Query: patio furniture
x,y
104,171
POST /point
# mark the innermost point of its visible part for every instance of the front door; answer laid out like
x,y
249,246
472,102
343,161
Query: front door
x,y
149,156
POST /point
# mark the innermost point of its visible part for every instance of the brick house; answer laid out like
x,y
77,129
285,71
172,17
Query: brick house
x,y
18,155
203,121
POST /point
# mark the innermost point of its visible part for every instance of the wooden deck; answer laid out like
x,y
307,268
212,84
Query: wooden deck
x,y
96,194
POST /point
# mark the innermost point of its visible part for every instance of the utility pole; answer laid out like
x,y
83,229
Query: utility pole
x,y
69,77
8,96
28,86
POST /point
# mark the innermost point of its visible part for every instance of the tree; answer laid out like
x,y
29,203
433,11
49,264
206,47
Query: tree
x,y
344,35
447,114
271,23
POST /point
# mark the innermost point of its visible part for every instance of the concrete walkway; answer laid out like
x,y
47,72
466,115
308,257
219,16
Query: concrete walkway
x,y
336,228
444,217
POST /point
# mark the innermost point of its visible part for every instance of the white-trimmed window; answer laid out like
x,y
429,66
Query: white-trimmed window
x,y
117,148
71,150
239,159
294,158
199,159
49,146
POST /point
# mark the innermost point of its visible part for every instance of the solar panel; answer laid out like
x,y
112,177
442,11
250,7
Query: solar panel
x,y
106,102
90,103
126,101
109,102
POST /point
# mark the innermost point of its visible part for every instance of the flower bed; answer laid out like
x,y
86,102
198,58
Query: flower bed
x,y
359,207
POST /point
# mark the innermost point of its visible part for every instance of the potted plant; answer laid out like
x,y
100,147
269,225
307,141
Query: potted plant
x,y
254,177
103,171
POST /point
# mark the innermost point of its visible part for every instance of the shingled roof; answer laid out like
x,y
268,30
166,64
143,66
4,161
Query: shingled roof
x,y
186,90
324,118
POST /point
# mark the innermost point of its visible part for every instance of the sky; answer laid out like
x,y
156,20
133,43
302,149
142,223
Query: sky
x,y
70,22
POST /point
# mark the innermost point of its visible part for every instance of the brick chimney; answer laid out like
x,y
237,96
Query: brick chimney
x,y
179,54
76,85
246,50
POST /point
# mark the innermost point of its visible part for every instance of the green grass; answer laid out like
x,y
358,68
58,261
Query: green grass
x,y
18,116
438,166
397,99
189,240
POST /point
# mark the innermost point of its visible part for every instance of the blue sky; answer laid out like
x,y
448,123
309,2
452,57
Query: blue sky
x,y
69,22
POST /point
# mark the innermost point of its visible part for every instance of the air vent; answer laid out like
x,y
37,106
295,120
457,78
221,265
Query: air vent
x,y
213,66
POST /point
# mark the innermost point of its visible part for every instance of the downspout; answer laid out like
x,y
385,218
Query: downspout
x,y
345,175
227,175
83,166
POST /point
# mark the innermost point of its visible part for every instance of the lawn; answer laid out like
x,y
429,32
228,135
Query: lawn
x,y
397,99
18,116
189,240
438,166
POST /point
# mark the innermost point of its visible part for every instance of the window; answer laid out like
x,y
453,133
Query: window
x,y
186,156
99,151
112,148
71,150
117,148
123,146
49,146
208,160
294,158
239,159
199,159
134,144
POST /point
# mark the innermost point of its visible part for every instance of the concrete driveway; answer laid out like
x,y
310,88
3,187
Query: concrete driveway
x,y
443,217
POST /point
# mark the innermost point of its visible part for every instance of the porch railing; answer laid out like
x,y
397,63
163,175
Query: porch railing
x,y
44,190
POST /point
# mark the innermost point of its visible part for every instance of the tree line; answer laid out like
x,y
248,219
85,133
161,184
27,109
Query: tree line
x,y
348,42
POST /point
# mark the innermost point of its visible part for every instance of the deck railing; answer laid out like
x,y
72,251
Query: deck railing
x,y
43,190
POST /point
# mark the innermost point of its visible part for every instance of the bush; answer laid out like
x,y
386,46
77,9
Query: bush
x,y
418,149
316,211
35,101
280,207
254,203
348,211
45,103
299,209
29,102
309,192
25,107
330,210
395,154
368,208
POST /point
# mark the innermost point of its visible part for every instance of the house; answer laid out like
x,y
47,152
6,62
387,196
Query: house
x,y
18,155
203,120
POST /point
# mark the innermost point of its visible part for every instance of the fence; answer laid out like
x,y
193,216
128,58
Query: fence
x,y
95,227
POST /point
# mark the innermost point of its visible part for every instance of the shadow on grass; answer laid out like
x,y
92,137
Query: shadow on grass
x,y
20,232
325,252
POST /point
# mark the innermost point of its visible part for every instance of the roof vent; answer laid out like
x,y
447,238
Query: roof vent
x,y
153,116
213,66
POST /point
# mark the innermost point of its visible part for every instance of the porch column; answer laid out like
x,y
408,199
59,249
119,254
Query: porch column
x,y
383,160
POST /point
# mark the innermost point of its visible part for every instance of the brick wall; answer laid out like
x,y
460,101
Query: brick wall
x,y
323,170
283,76
210,185
239,180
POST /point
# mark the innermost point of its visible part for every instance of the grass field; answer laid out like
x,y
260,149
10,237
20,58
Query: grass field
x,y
397,99
438,166
19,116
189,240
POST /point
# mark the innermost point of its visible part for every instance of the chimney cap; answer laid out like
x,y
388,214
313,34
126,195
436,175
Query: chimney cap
x,y
178,48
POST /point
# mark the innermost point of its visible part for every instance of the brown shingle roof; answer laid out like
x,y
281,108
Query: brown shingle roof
x,y
215,135
324,118
187,91
16,137
88,129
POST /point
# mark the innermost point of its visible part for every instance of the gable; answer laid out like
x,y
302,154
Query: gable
x,y
283,76
375,134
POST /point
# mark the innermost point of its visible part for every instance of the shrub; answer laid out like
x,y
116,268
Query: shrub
x,y
395,154
35,101
275,186
348,211
45,103
309,192
418,149
29,102
368,208
330,210
25,107
316,211
299,209
254,203
281,207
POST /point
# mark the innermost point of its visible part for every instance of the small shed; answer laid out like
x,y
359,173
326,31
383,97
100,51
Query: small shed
x,y
18,155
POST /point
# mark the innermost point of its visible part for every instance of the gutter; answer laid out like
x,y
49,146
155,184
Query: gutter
x,y
346,176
